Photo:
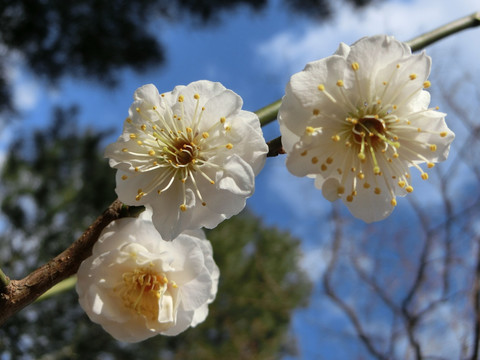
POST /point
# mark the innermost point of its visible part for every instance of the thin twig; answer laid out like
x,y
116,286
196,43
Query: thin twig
x,y
4,280
268,113
476,307
444,31
330,292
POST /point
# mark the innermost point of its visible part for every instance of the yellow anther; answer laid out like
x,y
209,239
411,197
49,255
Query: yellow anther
x,y
398,66
205,135
124,150
229,146
424,176
316,112
340,190
183,207
376,170
139,142
196,96
443,134
321,87
204,203
366,185
314,160
340,83
151,152
379,101
137,109
409,188
393,202
228,128
222,120
336,138
180,98
427,84
361,176
154,108
303,153
412,76
401,183
377,191
212,182
128,120
139,196
361,156
159,192
349,198
433,147
309,130
329,160
133,136
384,83
189,130
355,66
430,165
143,127
323,167
394,107
137,169
124,177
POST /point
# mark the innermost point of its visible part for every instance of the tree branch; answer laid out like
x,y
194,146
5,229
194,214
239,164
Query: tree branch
x,y
330,292
444,31
476,307
20,293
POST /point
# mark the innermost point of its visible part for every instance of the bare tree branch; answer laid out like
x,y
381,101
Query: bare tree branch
x,y
476,307
329,290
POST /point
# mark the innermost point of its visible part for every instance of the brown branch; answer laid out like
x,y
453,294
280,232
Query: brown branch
x,y
20,293
275,147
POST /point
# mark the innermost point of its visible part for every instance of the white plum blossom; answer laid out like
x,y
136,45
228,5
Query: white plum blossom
x,y
191,155
357,121
135,285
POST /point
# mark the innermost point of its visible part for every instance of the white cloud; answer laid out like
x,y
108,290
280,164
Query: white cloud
x,y
26,92
289,51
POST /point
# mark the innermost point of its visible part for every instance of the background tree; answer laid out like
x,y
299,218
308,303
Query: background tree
x,y
98,38
54,186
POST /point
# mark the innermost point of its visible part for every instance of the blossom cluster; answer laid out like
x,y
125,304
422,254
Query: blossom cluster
x,y
356,122
190,157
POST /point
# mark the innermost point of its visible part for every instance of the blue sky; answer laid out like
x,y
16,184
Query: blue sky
x,y
254,55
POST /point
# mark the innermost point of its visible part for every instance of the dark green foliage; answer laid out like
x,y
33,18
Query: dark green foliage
x,y
56,185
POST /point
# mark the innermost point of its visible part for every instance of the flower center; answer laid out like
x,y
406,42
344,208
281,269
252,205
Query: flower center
x,y
372,127
185,152
141,290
